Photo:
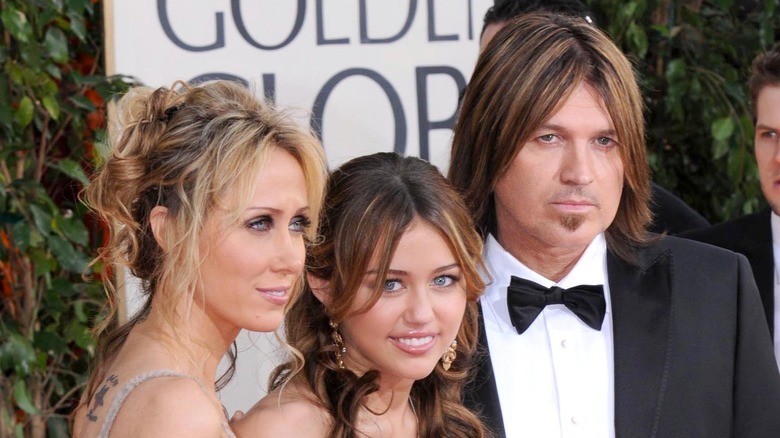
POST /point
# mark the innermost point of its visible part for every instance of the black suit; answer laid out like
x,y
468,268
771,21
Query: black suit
x,y
750,235
671,214
691,358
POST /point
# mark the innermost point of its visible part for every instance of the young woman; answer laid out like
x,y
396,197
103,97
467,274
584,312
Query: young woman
x,y
387,324
209,195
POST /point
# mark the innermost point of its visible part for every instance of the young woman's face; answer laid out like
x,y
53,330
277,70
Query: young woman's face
x,y
248,270
406,332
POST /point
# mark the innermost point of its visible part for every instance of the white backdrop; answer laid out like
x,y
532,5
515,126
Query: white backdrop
x,y
366,75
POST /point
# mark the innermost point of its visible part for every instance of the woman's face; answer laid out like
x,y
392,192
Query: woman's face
x,y
406,332
249,269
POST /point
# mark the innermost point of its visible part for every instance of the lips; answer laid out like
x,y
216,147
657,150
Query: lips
x,y
275,295
573,206
416,344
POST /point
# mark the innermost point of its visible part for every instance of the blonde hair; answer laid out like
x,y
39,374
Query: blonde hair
x,y
183,148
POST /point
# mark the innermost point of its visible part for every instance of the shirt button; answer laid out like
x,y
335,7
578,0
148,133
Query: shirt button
x,y
574,420
564,344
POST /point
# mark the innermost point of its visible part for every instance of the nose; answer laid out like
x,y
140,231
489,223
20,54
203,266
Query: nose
x,y
576,165
419,307
289,253
777,149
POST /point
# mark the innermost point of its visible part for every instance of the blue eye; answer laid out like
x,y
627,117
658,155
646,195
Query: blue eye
x,y
300,224
605,141
547,138
391,285
444,280
263,223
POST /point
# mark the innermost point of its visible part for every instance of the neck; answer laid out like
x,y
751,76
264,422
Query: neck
x,y
551,262
195,343
389,413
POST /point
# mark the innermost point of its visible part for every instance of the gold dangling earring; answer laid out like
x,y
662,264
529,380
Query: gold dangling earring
x,y
449,355
338,341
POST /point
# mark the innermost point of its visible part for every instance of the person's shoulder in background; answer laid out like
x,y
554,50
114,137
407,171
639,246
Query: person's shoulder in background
x,y
671,215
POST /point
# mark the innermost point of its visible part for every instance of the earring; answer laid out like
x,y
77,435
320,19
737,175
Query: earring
x,y
338,341
449,355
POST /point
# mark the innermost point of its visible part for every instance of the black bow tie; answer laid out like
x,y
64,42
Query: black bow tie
x,y
526,300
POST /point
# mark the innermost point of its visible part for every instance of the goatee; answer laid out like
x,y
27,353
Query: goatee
x,y
572,221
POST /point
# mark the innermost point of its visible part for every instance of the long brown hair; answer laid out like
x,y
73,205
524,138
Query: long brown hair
x,y
183,148
527,70
369,204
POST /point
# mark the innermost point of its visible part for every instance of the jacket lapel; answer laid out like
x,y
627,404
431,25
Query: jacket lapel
x,y
480,394
641,298
757,242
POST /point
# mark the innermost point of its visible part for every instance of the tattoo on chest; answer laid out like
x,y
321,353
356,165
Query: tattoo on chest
x,y
97,401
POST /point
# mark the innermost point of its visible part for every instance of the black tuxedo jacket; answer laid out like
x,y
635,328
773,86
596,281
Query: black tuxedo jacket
x,y
692,353
751,236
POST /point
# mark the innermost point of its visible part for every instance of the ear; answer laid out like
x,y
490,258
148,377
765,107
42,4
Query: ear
x,y
319,287
157,219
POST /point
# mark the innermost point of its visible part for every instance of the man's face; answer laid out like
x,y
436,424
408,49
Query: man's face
x,y
767,144
564,185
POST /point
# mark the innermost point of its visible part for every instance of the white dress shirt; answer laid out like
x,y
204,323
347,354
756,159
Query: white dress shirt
x,y
557,378
776,256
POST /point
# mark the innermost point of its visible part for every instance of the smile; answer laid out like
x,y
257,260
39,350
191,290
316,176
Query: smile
x,y
415,342
276,296
418,345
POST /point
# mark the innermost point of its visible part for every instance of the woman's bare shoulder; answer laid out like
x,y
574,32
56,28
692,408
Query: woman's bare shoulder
x,y
289,412
170,406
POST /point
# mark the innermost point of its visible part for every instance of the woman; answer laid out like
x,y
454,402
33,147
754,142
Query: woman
x,y
387,325
209,195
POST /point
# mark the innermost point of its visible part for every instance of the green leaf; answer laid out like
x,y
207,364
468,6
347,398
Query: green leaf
x,y
719,148
66,255
17,355
50,342
52,106
638,38
16,23
722,128
73,228
73,170
41,219
675,70
24,113
22,398
80,334
78,309
82,102
77,25
56,45
42,261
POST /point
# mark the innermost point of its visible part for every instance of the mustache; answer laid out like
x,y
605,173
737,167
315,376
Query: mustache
x,y
574,193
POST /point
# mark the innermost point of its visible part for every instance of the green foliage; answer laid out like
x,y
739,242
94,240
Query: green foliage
x,y
693,59
52,92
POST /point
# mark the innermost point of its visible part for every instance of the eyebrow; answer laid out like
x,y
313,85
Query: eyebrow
x,y
763,126
401,272
275,210
554,127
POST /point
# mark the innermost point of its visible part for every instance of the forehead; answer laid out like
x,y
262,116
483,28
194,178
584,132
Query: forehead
x,y
768,102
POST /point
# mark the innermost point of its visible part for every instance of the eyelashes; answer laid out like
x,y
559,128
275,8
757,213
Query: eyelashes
x,y
298,224
440,281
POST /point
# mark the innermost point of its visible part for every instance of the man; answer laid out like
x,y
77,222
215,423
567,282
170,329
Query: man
x,y
757,235
666,339
670,213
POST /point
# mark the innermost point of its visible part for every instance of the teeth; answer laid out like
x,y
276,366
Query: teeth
x,y
415,342
278,293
